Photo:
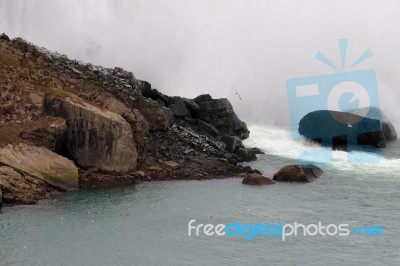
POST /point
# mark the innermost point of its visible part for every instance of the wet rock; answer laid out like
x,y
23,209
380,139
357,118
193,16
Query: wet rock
x,y
245,155
41,163
1,199
296,173
9,198
256,179
23,189
95,138
220,114
48,132
233,144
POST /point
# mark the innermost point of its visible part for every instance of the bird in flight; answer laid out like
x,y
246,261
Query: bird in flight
x,y
237,93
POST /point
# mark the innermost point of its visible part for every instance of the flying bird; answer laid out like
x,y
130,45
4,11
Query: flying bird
x,y
237,93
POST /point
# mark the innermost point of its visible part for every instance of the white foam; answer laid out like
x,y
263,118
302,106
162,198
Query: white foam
x,y
280,142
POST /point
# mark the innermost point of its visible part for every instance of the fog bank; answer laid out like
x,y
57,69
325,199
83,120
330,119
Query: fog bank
x,y
191,47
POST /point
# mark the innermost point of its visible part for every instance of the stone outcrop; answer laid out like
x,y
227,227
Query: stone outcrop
x,y
220,114
48,132
22,188
347,131
41,163
95,137
213,116
296,173
233,144
256,179
140,126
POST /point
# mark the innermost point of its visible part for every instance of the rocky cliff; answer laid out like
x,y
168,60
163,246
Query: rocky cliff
x,y
66,124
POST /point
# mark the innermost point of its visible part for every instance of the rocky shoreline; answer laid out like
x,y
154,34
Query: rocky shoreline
x,y
66,125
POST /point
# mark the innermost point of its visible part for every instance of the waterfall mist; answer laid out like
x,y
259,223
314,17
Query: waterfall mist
x,y
191,47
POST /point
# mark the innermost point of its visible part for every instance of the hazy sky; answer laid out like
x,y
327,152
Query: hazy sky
x,y
191,47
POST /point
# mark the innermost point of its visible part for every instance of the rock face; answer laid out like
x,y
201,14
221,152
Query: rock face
x,y
256,179
233,144
139,125
22,188
95,137
41,163
220,114
296,173
48,132
339,127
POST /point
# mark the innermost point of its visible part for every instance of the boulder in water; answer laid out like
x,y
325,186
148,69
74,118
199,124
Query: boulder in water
x,y
296,173
256,179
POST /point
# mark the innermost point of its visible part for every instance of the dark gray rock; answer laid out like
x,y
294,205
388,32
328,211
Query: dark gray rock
x,y
220,114
207,128
245,155
193,107
178,108
233,144
4,37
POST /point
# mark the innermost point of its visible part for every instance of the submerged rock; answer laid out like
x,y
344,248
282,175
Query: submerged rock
x,y
41,163
296,173
95,137
256,179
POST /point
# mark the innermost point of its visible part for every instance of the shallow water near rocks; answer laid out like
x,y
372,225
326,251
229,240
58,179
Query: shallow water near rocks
x,y
147,225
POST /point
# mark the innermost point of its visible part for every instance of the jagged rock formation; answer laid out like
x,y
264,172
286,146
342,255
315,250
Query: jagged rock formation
x,y
95,137
97,118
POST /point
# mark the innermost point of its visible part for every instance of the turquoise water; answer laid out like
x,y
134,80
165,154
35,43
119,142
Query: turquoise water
x,y
147,225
